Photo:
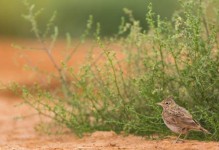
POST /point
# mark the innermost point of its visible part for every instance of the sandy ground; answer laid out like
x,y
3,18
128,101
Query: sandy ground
x,y
18,133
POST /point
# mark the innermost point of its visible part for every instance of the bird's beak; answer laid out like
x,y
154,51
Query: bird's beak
x,y
159,104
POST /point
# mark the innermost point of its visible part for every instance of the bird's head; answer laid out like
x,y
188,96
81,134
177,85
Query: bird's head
x,y
167,103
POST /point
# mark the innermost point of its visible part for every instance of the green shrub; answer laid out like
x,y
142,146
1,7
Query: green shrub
x,y
178,57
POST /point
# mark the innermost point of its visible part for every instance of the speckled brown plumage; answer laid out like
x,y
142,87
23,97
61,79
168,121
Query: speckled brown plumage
x,y
178,119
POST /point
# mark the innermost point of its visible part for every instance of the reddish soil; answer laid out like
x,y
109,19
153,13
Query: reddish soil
x,y
18,133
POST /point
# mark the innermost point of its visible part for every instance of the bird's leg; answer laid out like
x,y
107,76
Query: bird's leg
x,y
186,136
184,131
178,138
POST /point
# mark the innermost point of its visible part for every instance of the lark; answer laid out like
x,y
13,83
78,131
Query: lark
x,y
178,119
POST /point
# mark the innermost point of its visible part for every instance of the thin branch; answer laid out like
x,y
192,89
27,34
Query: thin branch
x,y
69,56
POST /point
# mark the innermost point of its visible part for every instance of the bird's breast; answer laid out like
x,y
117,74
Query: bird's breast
x,y
172,127
170,122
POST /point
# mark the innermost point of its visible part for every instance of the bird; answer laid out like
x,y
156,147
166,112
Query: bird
x,y
178,119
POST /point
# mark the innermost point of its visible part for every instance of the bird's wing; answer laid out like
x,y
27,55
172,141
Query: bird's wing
x,y
183,112
184,118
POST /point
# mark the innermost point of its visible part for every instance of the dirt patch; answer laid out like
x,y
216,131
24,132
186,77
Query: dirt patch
x,y
18,122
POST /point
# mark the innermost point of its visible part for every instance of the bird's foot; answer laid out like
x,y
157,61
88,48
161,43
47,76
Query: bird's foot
x,y
178,141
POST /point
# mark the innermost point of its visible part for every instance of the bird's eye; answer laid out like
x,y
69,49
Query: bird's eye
x,y
167,103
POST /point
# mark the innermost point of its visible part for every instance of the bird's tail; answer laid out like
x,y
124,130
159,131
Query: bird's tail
x,y
204,130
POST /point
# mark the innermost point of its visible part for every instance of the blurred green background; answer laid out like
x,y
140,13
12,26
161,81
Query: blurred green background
x,y
73,14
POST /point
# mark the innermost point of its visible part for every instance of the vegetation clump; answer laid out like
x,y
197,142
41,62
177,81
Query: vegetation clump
x,y
177,57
